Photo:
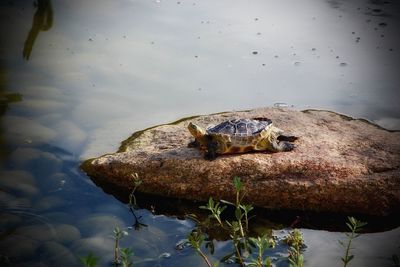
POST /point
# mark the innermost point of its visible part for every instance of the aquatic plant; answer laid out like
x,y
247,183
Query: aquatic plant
x,y
118,235
355,227
238,229
196,239
90,260
216,210
296,244
126,255
136,182
262,244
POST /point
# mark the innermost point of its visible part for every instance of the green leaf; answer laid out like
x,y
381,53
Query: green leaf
x,y
90,260
238,214
238,184
211,202
268,262
227,202
361,224
352,220
253,241
222,209
227,257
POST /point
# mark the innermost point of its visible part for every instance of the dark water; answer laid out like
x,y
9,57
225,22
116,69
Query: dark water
x,y
77,77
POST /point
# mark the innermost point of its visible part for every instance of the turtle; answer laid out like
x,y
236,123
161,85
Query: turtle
x,y
240,136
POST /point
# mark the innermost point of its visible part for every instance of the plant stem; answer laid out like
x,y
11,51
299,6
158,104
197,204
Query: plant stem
x,y
347,251
238,254
246,220
116,252
204,257
241,229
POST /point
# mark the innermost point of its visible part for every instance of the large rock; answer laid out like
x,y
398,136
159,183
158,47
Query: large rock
x,y
340,164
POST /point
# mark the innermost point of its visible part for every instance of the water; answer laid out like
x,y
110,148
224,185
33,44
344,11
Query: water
x,y
89,73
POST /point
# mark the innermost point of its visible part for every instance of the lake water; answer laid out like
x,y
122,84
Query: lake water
x,y
78,77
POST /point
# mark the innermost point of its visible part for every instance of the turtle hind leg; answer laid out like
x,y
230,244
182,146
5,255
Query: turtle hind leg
x,y
287,138
282,146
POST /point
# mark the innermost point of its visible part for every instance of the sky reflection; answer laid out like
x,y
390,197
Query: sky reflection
x,y
141,63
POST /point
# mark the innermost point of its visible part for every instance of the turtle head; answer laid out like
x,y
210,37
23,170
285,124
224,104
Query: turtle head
x,y
196,131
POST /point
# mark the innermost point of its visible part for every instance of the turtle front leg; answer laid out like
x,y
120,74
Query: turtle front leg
x,y
194,143
279,146
211,150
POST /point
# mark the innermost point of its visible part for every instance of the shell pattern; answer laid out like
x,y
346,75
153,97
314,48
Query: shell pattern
x,y
240,132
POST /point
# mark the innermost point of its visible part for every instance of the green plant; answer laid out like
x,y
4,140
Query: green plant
x,y
118,235
355,227
136,183
196,239
236,239
216,210
296,243
90,260
126,255
261,243
239,226
238,229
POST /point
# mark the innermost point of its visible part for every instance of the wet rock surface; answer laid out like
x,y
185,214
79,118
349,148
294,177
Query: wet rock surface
x,y
340,164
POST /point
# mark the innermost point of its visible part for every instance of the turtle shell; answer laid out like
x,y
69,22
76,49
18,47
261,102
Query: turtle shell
x,y
239,135
240,127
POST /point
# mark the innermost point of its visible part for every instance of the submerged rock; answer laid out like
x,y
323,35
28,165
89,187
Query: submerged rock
x,y
340,164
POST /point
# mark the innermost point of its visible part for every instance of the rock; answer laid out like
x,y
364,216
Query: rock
x,y
67,233
20,183
340,164
48,203
101,246
41,163
56,254
63,233
18,247
9,220
12,202
58,216
37,232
